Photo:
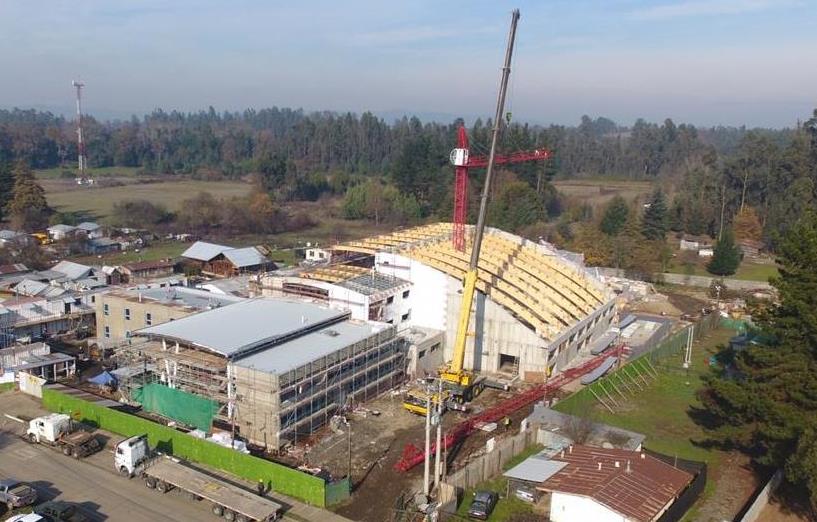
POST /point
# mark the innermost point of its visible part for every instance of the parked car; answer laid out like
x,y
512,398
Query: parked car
x,y
15,494
28,517
60,511
483,504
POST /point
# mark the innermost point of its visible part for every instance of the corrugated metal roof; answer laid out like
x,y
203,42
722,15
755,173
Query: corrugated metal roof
x,y
244,257
603,342
638,487
204,251
312,346
61,228
537,468
31,287
243,326
182,296
372,283
10,234
72,270
88,226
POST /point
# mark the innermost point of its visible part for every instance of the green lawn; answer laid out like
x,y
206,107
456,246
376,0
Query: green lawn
x,y
506,507
661,411
153,252
747,270
56,173
97,202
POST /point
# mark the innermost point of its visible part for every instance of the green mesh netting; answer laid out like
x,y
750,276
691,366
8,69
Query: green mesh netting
x,y
177,405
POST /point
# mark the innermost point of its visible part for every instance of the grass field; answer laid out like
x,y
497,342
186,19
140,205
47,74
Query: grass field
x,y
598,192
97,203
747,270
506,507
153,252
662,412
56,173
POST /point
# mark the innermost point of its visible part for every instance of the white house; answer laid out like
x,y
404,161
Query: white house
x,y
58,232
318,255
12,237
90,229
611,485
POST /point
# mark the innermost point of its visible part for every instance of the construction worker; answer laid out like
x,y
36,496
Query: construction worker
x,y
507,423
261,487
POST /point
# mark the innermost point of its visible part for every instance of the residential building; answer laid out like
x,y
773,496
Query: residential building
x,y
102,245
10,238
90,229
122,311
610,485
223,261
60,232
318,255
145,270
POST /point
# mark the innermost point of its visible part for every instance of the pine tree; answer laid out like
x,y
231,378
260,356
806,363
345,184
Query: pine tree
x,y
654,225
28,208
726,257
767,403
6,187
615,216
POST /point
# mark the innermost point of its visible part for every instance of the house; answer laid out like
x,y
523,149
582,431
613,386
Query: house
x,y
113,275
90,229
34,288
318,255
142,270
102,245
750,248
610,485
224,261
688,245
13,269
12,237
71,271
60,232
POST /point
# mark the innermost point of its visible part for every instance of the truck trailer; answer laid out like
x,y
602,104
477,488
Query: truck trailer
x,y
133,457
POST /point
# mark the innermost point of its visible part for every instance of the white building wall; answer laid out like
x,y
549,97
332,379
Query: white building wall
x,y
428,304
573,508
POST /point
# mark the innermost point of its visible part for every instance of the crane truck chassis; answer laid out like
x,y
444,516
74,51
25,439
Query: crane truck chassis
x,y
133,457
59,431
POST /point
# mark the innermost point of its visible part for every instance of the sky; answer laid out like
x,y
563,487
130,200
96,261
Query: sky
x,y
706,62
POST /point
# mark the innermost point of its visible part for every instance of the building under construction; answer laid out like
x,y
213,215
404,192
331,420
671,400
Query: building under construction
x,y
276,370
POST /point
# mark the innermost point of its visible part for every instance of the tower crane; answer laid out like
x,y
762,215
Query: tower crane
x,y
462,161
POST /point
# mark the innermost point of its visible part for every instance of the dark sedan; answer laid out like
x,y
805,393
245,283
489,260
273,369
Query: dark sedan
x,y
483,504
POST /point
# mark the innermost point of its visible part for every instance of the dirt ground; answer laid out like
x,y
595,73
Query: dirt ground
x,y
735,483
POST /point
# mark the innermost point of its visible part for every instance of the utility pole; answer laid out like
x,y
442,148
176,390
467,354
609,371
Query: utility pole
x,y
81,163
439,422
428,446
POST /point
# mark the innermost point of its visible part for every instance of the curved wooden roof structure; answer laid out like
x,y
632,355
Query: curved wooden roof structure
x,y
530,280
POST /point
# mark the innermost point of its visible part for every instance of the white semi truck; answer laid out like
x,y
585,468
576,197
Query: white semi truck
x,y
58,430
133,457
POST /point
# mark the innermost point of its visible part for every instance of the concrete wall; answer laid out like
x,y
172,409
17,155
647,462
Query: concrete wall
x,y
571,508
437,299
762,499
490,465
693,280
115,320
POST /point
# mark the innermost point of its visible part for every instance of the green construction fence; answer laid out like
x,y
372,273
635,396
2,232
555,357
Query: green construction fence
x,y
303,486
178,405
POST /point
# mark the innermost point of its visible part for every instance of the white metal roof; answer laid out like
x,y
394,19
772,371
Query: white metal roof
x,y
244,257
61,228
537,468
204,251
293,354
88,226
242,326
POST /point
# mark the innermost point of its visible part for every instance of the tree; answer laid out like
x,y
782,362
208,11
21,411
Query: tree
x,y
766,402
6,186
747,225
516,206
615,216
655,223
726,256
28,208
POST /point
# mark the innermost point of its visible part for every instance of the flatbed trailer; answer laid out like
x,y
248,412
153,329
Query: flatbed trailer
x,y
229,501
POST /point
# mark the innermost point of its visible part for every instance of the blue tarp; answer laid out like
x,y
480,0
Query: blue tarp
x,y
103,379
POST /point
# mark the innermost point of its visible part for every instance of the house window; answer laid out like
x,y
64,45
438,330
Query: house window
x,y
405,294
390,299
105,309
148,319
406,316
127,314
108,332
93,299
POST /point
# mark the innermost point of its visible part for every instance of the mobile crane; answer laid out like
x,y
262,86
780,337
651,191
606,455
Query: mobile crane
x,y
463,385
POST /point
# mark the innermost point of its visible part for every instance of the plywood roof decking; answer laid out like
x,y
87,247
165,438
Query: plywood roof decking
x,y
540,288
630,483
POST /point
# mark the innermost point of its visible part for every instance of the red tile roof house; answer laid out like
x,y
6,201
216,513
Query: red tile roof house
x,y
612,485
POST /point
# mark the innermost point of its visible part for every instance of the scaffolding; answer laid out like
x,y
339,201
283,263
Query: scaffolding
x,y
275,410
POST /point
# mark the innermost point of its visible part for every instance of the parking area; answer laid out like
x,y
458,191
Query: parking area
x,y
92,483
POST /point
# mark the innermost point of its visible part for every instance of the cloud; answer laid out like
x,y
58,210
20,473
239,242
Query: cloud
x,y
689,8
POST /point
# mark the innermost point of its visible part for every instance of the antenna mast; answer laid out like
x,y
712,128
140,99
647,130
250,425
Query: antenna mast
x,y
81,161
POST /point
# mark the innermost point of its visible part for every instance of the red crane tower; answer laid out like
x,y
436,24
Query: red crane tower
x,y
462,161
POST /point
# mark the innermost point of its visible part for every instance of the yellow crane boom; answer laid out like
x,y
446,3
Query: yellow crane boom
x,y
454,372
